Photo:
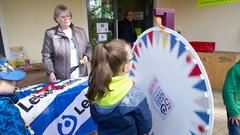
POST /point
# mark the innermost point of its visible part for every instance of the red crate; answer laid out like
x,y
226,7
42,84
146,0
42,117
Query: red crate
x,y
203,46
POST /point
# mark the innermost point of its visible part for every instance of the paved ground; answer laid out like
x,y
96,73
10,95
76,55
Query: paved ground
x,y
220,120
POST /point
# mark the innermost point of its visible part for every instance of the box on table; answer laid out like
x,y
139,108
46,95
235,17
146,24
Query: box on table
x,y
17,56
217,65
203,46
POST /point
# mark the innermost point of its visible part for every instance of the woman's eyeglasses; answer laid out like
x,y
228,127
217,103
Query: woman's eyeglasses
x,y
65,17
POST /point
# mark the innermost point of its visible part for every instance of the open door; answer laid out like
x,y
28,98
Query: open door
x,y
2,52
104,15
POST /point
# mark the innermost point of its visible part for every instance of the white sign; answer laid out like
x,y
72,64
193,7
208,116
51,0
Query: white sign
x,y
138,15
102,27
102,37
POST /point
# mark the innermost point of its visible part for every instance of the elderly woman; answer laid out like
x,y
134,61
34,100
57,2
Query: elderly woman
x,y
66,49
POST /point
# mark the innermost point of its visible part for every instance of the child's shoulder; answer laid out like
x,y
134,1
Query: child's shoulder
x,y
236,66
11,116
135,95
7,105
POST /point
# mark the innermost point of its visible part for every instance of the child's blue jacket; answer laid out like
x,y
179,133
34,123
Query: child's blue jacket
x,y
11,122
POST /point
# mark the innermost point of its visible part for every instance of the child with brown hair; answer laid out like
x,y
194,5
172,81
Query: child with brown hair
x,y
117,105
11,122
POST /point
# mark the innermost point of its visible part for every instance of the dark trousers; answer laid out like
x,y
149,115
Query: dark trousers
x,y
233,129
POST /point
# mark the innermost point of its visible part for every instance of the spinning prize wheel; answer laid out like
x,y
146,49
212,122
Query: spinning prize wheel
x,y
175,82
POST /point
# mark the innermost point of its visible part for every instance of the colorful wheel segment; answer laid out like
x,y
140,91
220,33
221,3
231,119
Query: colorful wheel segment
x,y
175,82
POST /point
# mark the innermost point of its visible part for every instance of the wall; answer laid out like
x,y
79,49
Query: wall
x,y
25,22
218,23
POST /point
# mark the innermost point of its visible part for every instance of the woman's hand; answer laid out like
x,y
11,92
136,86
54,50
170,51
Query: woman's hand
x,y
84,60
234,120
52,77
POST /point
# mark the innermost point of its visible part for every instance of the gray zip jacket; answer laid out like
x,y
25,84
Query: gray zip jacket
x,y
56,51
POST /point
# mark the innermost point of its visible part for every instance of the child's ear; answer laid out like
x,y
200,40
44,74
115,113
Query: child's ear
x,y
125,68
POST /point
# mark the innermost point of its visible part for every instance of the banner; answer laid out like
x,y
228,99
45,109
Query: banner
x,y
214,2
60,108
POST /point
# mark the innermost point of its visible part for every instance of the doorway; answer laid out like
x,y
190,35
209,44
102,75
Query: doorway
x,y
104,15
2,52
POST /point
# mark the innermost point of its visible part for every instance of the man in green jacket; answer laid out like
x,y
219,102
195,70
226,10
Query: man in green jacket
x,y
231,98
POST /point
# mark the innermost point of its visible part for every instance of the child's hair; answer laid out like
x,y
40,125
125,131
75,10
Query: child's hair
x,y
106,62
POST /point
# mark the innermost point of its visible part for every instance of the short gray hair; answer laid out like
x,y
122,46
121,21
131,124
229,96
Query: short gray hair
x,y
60,8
